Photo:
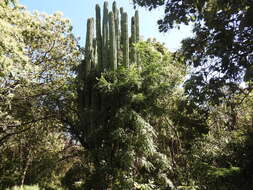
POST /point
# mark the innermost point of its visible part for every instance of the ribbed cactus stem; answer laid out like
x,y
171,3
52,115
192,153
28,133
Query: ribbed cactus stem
x,y
118,34
105,36
125,39
94,65
133,40
114,7
121,24
112,43
137,28
89,60
99,39
89,46
137,22
94,96
117,27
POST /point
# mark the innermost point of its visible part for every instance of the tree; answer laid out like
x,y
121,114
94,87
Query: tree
x,y
221,49
220,55
39,149
38,55
223,157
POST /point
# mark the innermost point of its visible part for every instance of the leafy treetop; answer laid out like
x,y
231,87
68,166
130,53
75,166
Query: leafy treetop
x,y
221,50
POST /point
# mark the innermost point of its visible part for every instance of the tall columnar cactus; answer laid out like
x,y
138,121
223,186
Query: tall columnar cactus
x,y
125,39
137,23
99,39
112,43
89,46
117,27
137,30
121,24
110,47
105,51
133,40
105,36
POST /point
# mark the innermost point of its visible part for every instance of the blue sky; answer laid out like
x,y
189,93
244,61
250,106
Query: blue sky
x,y
79,10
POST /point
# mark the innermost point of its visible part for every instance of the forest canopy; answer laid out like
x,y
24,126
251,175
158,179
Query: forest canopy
x,y
125,113
220,51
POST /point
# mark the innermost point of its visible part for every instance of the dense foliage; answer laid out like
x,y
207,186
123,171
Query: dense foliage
x,y
150,132
37,55
122,145
220,84
220,51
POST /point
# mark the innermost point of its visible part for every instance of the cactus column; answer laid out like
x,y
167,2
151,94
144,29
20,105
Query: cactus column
x,y
117,28
137,32
133,40
125,39
89,46
121,24
112,43
105,36
99,39
137,23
